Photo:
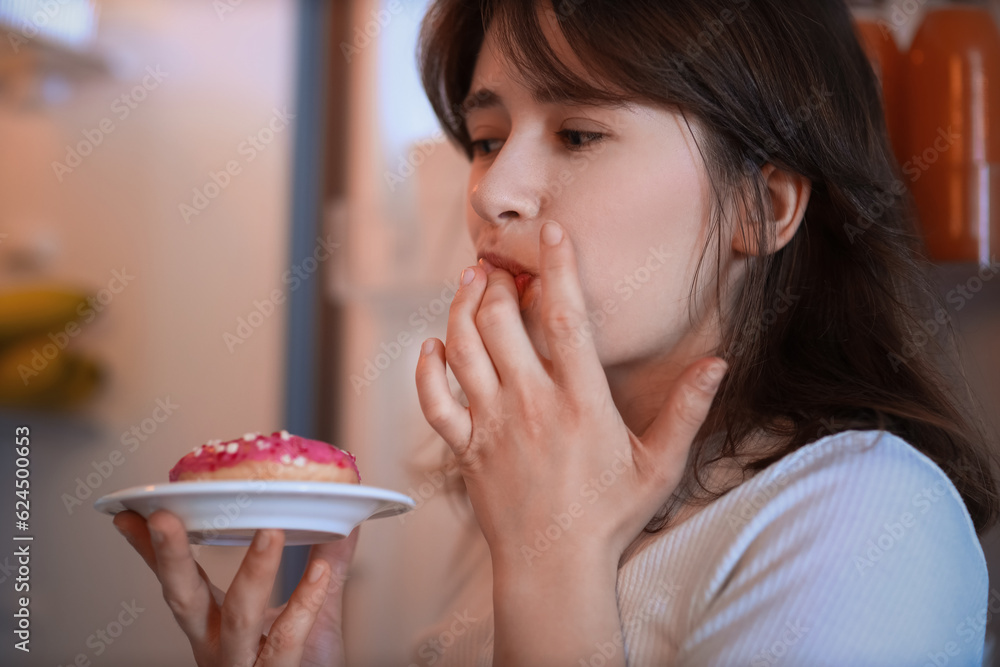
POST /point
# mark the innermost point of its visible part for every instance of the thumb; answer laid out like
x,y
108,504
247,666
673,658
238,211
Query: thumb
x,y
684,411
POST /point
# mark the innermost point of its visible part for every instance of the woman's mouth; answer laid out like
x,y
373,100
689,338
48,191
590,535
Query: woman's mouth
x,y
522,278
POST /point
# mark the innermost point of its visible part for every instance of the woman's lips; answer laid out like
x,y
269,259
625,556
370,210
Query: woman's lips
x,y
522,278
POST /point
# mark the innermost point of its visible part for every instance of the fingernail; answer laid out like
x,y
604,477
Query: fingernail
x,y
467,276
156,536
709,379
316,571
552,233
427,347
261,540
487,267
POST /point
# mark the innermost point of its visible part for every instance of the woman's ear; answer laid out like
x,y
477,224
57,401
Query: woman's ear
x,y
789,194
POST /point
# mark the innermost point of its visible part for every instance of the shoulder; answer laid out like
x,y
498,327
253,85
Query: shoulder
x,y
869,497
871,471
855,549
858,538
857,449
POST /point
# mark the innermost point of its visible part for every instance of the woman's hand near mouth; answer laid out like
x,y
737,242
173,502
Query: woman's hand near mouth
x,y
523,276
544,452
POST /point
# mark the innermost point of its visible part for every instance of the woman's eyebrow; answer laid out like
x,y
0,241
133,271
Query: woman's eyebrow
x,y
487,98
481,98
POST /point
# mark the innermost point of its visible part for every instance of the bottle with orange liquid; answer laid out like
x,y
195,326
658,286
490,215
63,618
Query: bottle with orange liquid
x,y
887,60
951,140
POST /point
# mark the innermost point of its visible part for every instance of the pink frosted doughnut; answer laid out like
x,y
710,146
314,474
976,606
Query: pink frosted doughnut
x,y
276,456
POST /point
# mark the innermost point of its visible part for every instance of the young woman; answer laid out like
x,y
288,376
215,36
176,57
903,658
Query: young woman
x,y
703,421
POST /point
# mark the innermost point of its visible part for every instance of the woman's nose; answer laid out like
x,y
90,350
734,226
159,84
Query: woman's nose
x,y
511,188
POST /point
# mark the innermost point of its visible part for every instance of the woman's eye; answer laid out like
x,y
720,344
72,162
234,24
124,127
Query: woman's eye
x,y
484,147
577,139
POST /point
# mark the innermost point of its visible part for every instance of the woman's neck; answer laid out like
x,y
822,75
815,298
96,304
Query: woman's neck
x,y
640,388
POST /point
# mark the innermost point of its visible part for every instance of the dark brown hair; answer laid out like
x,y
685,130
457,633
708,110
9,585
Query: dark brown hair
x,y
829,333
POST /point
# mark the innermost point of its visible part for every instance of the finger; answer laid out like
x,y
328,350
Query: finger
x,y
186,592
668,439
133,527
464,349
502,331
286,640
242,615
442,411
568,332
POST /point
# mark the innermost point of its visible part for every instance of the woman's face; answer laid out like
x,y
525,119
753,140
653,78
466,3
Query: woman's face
x,y
627,185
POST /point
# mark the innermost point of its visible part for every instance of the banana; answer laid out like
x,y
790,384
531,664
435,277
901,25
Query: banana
x,y
40,309
26,372
29,379
81,379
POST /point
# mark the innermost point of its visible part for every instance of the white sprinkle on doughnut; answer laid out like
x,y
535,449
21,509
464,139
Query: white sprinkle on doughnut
x,y
198,450
219,447
286,459
285,435
299,461
262,444
232,447
249,437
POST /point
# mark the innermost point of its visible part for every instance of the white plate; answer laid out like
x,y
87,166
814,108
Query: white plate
x,y
228,512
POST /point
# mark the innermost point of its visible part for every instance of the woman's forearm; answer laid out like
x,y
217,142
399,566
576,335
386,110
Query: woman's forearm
x,y
555,610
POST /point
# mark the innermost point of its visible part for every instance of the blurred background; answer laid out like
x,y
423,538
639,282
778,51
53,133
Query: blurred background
x,y
253,219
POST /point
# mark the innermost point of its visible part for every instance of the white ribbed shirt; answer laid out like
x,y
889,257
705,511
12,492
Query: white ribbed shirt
x,y
854,550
